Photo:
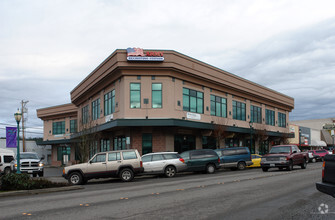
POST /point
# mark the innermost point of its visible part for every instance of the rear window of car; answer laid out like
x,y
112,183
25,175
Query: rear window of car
x,y
320,151
203,154
129,155
171,156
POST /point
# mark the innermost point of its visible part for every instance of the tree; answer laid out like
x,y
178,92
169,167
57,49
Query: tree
x,y
220,130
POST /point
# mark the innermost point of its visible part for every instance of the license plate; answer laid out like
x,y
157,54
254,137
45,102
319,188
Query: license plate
x,y
272,165
30,171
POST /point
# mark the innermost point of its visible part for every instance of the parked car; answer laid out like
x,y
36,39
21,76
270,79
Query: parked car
x,y
167,163
313,157
205,160
124,164
30,163
256,160
321,153
284,156
6,157
328,176
234,158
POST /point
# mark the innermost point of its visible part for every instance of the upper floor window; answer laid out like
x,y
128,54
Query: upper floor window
x,y
269,117
256,114
73,126
109,103
281,120
84,115
193,101
157,95
135,95
58,127
96,109
239,110
218,106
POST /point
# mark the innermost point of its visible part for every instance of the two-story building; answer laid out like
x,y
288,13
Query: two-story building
x,y
164,101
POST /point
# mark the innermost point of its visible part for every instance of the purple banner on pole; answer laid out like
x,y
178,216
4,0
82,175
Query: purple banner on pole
x,y
11,137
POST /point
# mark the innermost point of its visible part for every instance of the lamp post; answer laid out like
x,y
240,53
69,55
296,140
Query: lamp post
x,y
250,124
18,116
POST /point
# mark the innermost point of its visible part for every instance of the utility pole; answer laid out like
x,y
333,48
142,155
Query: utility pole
x,y
23,110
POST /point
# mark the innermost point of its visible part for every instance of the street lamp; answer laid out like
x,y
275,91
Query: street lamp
x,y
250,124
18,116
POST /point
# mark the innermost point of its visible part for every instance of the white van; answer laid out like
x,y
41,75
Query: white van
x,y
6,156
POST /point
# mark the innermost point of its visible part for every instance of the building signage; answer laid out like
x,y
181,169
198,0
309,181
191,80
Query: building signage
x,y
137,54
194,116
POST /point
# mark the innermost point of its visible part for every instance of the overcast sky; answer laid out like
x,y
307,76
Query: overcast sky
x,y
47,47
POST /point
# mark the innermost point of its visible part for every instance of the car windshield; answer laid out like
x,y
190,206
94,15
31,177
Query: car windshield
x,y
278,150
29,156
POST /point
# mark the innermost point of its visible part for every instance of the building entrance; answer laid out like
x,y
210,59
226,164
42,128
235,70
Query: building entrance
x,y
183,143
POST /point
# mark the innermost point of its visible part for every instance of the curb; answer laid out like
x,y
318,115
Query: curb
x,y
40,191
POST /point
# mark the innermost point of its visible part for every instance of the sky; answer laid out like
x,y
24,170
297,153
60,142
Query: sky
x,y
48,47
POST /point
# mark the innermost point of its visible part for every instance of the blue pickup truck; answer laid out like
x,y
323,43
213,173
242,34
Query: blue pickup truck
x,y
328,176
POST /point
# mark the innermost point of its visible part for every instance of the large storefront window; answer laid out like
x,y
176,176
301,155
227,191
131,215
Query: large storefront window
x,y
135,95
109,103
239,110
183,143
146,143
120,143
61,151
96,109
281,120
104,145
209,142
256,114
270,117
193,101
156,95
263,147
58,127
218,106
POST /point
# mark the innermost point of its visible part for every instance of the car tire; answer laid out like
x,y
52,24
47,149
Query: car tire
x,y
210,168
75,178
41,174
170,171
126,175
313,160
265,169
34,174
304,164
290,166
7,171
241,166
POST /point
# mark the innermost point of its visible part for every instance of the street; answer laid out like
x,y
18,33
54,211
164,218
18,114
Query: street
x,y
248,194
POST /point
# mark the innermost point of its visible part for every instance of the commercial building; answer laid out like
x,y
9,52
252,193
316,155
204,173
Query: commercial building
x,y
164,101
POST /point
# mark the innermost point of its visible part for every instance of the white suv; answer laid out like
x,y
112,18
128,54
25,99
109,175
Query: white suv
x,y
6,157
124,164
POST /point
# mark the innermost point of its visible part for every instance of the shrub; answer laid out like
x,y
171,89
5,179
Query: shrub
x,y
14,181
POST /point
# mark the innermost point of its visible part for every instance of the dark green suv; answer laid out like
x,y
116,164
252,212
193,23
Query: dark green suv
x,y
201,160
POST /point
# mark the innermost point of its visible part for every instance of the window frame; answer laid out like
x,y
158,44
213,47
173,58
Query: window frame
x,y
153,91
239,110
58,127
215,104
131,92
190,96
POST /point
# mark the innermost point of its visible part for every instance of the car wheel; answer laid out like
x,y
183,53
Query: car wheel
x,y
41,174
241,166
265,169
304,164
290,166
210,169
126,175
34,174
75,178
170,171
7,171
313,160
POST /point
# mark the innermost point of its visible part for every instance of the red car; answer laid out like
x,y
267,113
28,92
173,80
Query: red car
x,y
321,152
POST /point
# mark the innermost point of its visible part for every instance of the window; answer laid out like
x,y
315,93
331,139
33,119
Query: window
x,y
129,155
269,117
104,145
114,156
93,148
281,120
256,114
109,103
84,115
146,143
146,158
193,101
135,95
239,110
171,156
156,95
218,106
58,127
73,126
120,143
63,150
100,158
96,109
7,159
157,157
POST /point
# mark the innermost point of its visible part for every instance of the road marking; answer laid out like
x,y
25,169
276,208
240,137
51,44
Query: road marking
x,y
179,189
123,198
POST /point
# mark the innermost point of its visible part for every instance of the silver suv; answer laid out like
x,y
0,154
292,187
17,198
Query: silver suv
x,y
167,163
124,164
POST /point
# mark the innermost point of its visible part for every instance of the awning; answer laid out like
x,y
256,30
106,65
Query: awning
x,y
318,143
